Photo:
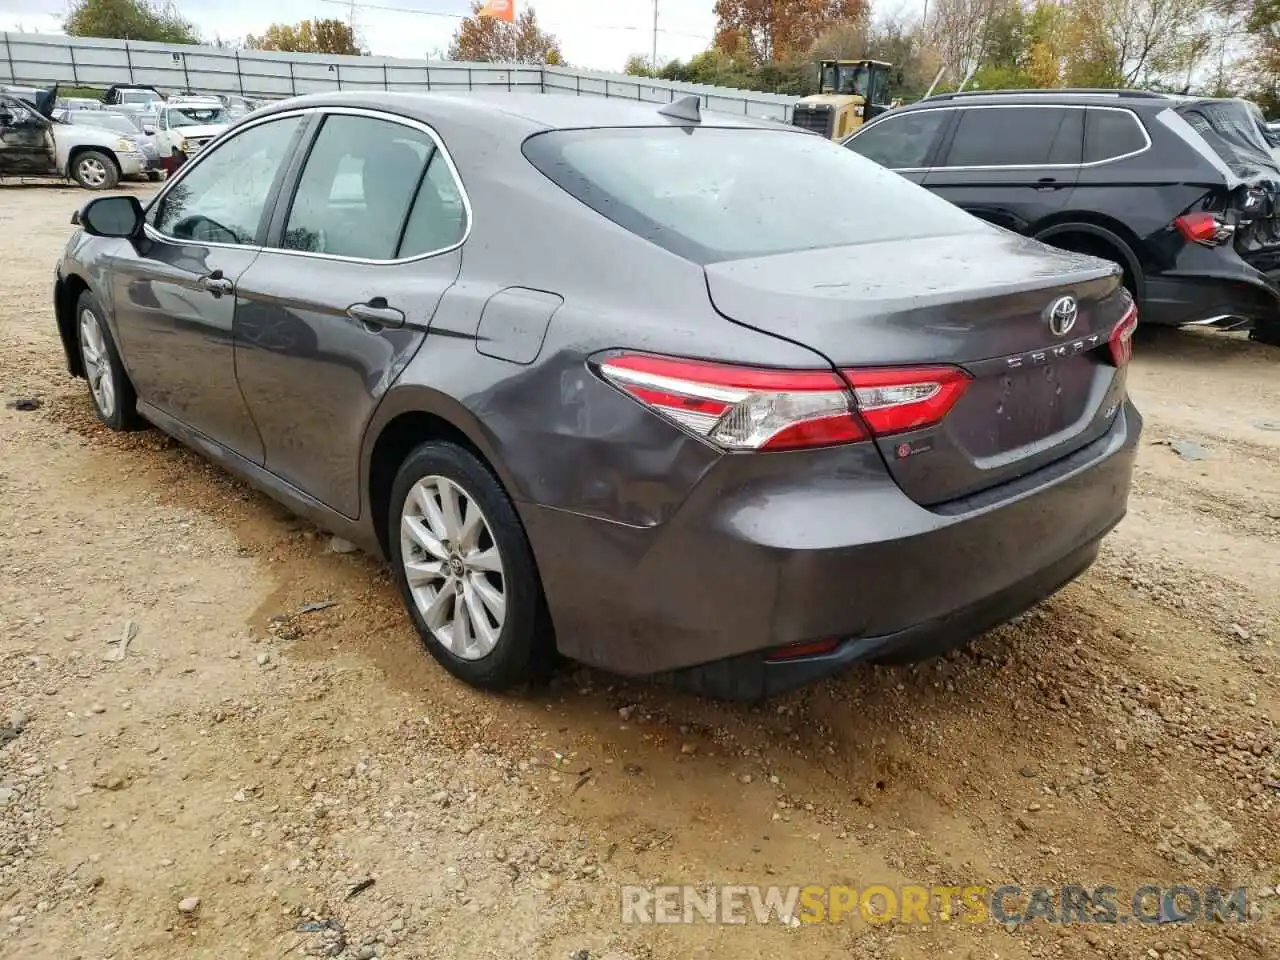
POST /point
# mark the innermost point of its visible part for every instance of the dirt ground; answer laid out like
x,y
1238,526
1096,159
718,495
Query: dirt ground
x,y
270,763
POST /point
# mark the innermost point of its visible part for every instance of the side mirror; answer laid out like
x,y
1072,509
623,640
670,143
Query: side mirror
x,y
111,217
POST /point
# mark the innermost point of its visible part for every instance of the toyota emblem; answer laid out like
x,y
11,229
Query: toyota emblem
x,y
1062,316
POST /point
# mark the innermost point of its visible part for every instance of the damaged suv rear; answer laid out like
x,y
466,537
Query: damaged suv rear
x,y
1182,192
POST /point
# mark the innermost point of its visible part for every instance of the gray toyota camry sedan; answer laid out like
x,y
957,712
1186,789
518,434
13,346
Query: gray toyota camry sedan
x,y
671,394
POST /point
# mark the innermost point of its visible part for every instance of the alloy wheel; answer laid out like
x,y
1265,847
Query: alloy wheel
x,y
97,363
453,567
93,172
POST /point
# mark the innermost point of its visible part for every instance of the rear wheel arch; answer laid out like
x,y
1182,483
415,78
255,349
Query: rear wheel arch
x,y
423,417
1107,240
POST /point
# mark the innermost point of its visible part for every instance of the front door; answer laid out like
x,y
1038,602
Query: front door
x,y
26,141
175,294
341,299
1011,165
905,143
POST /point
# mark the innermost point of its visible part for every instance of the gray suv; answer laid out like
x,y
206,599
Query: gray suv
x,y
594,377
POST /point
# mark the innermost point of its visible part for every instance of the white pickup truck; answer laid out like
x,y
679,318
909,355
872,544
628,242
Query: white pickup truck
x,y
33,145
186,125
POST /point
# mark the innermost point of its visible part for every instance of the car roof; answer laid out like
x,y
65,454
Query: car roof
x,y
535,111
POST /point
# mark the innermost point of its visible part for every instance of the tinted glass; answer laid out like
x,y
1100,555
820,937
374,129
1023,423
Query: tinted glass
x,y
357,188
1112,133
902,141
222,198
712,194
1014,137
438,219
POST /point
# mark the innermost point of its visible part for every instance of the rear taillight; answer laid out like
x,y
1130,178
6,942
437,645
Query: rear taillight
x,y
897,399
1204,228
740,408
749,408
1121,339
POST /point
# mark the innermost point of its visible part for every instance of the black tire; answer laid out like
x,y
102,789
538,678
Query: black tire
x,y
523,651
95,170
123,414
1266,332
155,176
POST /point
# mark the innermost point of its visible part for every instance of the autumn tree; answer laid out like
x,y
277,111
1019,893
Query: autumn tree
x,y
1262,23
846,40
767,31
309,36
129,20
486,39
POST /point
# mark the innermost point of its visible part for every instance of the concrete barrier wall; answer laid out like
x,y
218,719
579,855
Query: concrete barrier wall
x,y
29,59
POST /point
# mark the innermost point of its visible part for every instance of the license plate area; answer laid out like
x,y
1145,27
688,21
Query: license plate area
x,y
1005,411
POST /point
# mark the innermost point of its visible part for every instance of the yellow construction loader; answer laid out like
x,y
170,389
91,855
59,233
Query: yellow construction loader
x,y
851,92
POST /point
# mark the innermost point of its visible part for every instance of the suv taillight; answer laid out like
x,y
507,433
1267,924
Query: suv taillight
x,y
1121,339
751,408
1204,228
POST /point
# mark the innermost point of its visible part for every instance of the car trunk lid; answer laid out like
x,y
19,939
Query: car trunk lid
x,y
980,301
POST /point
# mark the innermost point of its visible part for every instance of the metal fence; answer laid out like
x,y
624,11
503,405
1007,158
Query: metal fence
x,y
40,59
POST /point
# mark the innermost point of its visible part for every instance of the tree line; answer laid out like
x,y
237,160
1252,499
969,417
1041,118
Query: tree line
x,y
1207,47
1211,47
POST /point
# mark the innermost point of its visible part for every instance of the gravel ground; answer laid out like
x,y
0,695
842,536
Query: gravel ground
x,y
241,779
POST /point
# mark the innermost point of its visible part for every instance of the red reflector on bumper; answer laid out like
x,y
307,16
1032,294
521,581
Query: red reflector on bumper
x,y
795,651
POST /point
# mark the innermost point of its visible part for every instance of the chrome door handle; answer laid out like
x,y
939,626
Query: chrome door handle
x,y
217,284
376,313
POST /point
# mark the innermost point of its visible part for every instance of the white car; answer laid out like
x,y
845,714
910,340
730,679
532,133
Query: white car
x,y
186,125
32,145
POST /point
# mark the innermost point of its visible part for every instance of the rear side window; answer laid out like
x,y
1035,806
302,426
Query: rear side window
x,y
1110,134
374,190
710,194
1016,137
900,142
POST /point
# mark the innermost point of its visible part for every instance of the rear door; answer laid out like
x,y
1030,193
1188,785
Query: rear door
x,y
906,143
341,299
1011,165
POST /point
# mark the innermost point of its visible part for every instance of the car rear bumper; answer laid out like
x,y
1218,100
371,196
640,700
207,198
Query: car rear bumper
x,y
779,549
1242,294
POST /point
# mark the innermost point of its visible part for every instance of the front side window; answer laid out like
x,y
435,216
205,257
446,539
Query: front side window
x,y
223,197
374,190
1016,137
900,142
711,194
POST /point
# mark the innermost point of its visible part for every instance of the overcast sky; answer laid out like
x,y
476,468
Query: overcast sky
x,y
594,34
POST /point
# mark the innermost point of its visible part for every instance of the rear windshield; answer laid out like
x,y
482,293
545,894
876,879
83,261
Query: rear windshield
x,y
711,194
